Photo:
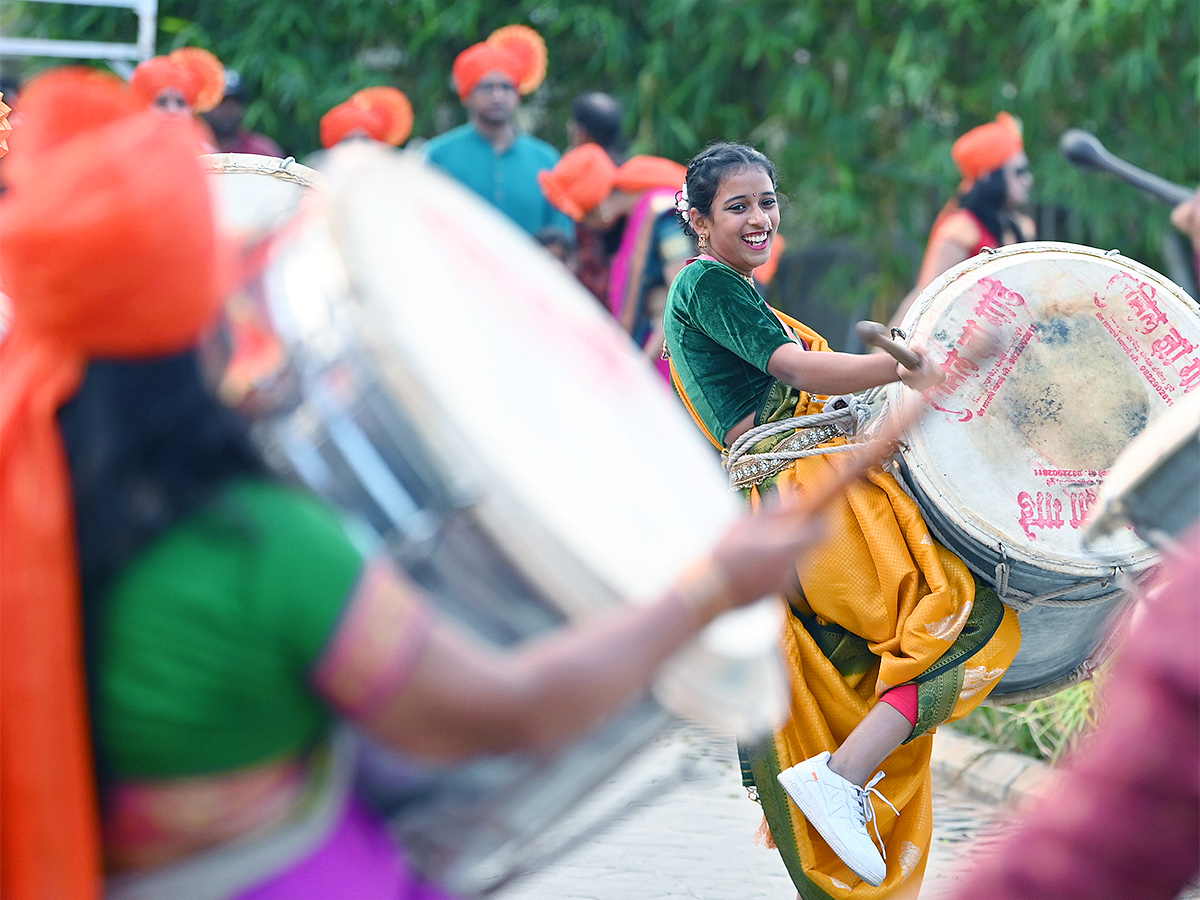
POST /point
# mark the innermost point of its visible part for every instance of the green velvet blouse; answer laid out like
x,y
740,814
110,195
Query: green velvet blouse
x,y
720,334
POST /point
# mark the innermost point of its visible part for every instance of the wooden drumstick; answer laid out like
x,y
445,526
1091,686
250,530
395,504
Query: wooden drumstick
x,y
875,335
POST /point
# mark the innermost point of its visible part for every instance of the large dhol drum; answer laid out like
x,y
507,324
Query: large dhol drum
x,y
1056,357
492,428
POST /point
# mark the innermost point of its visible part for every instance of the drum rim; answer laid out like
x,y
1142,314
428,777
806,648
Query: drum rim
x,y
989,256
283,168
923,474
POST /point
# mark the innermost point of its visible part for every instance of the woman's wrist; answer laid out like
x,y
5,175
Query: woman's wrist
x,y
706,591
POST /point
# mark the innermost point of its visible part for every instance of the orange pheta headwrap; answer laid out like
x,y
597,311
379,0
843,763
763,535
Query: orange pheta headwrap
x,y
5,127
586,175
579,181
381,113
515,50
986,148
101,255
194,72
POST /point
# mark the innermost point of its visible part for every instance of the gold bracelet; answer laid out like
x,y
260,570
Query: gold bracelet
x,y
705,589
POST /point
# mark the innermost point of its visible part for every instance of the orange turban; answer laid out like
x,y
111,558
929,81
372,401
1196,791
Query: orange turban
x,y
382,113
586,175
641,173
517,51
100,255
580,181
5,127
194,72
985,149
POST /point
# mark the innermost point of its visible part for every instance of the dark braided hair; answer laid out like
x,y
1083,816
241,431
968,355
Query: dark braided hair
x,y
708,168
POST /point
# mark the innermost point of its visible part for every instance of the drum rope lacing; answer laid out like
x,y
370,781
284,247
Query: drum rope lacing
x,y
843,415
1021,601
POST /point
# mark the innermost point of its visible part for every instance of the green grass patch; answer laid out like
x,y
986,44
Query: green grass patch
x,y
1044,729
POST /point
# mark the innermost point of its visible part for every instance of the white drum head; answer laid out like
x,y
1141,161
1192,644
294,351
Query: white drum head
x,y
1057,356
256,195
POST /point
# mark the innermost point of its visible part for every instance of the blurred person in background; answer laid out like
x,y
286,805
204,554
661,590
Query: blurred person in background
x,y
227,121
989,208
183,84
490,153
636,200
382,114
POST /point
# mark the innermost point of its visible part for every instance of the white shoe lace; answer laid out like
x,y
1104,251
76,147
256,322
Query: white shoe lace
x,y
866,811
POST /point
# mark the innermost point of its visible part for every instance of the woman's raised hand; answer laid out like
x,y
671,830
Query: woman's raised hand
x,y
927,375
755,557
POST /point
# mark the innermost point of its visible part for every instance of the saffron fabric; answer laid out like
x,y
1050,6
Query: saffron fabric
x,y
985,148
194,72
516,51
580,181
100,255
383,114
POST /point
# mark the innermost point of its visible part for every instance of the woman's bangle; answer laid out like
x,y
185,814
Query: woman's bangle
x,y
705,590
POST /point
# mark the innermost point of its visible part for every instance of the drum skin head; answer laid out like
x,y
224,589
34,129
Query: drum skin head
x,y
1057,356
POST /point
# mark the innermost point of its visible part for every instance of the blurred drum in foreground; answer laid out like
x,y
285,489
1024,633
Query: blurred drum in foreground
x,y
463,396
1154,486
1056,357
256,197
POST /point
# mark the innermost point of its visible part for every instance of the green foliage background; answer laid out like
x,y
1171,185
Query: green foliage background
x,y
857,102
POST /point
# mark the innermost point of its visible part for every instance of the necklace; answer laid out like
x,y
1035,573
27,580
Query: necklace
x,y
749,279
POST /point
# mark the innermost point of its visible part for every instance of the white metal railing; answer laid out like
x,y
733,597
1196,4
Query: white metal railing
x,y
119,56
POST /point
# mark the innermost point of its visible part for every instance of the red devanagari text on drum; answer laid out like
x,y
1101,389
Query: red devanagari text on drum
x,y
1044,509
1169,348
982,340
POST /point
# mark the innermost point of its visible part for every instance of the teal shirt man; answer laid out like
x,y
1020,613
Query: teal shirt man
x,y
507,177
489,154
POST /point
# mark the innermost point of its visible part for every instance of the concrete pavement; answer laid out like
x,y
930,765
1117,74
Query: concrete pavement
x,y
695,840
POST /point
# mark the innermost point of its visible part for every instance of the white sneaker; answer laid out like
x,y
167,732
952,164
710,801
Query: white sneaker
x,y
839,810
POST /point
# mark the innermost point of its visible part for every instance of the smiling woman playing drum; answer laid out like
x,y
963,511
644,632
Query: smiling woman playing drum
x,y
888,635
230,619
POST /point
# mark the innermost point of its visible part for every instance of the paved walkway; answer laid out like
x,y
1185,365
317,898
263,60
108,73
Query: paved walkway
x,y
695,839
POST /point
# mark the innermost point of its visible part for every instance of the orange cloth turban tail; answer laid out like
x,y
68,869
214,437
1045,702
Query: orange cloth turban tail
x,y
100,255
586,175
515,50
986,148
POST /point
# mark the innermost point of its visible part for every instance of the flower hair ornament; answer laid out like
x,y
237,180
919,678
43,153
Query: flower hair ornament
x,y
681,201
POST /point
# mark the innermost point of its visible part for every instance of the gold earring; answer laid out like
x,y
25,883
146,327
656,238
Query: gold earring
x,y
702,242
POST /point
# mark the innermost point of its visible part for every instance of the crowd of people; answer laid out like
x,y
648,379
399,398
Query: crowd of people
x,y
183,632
